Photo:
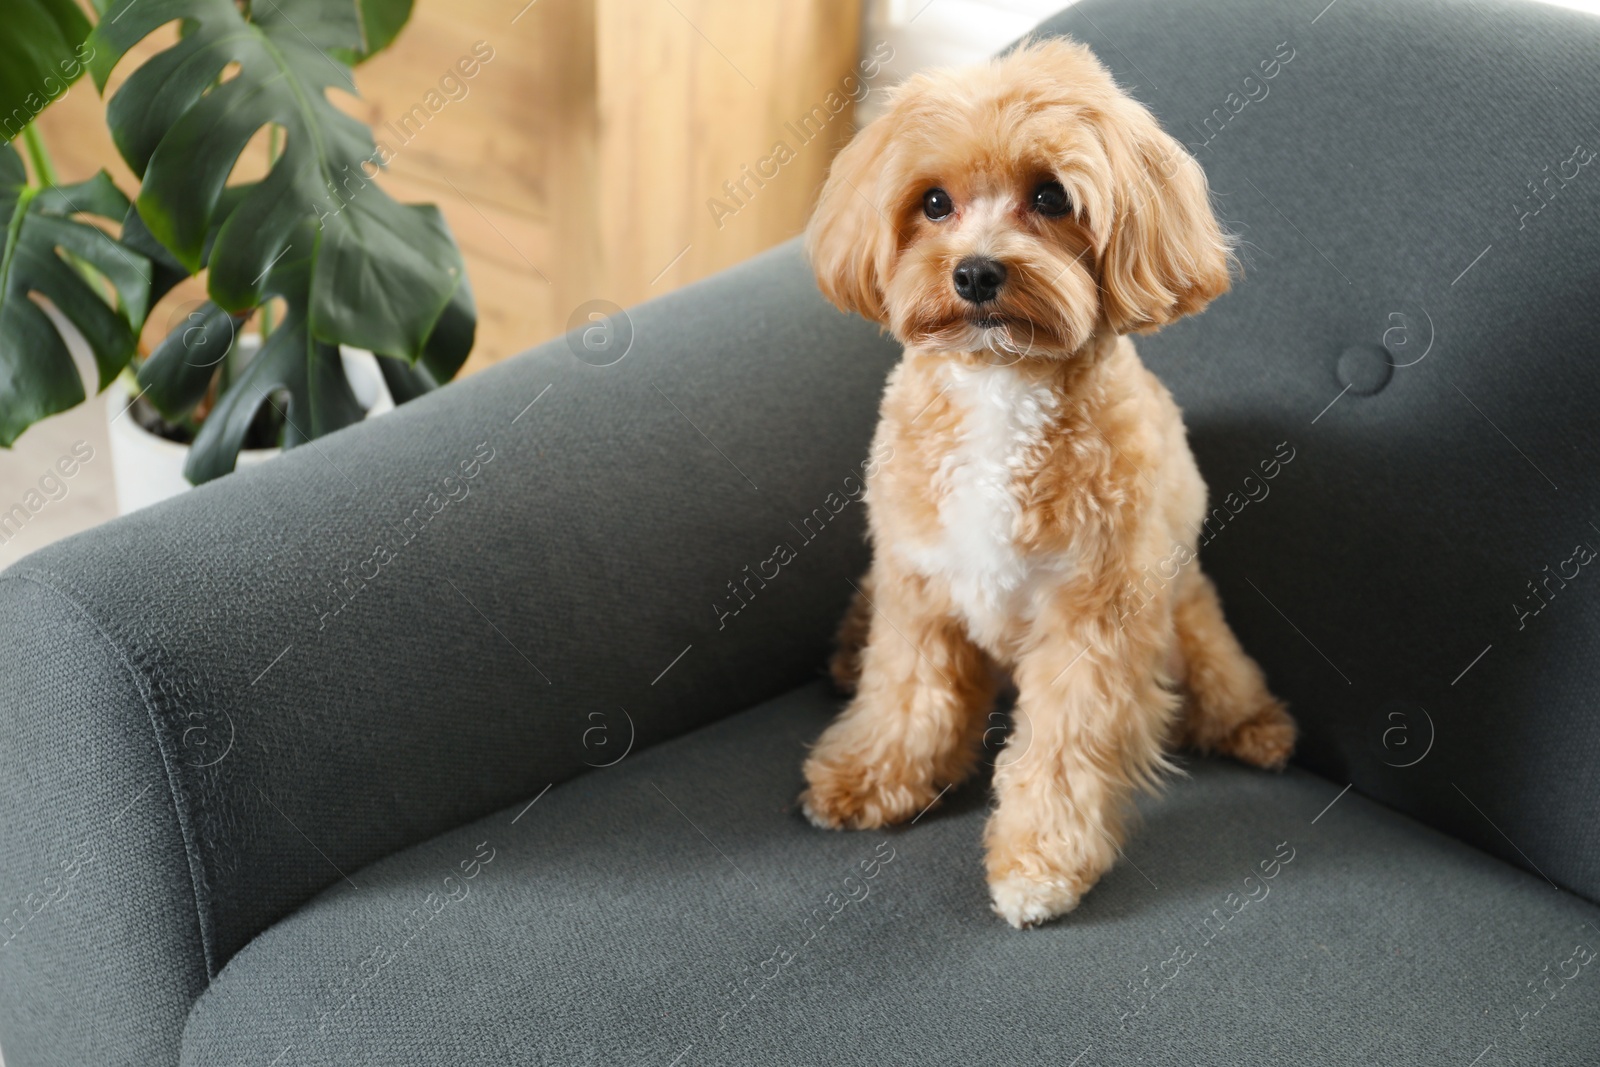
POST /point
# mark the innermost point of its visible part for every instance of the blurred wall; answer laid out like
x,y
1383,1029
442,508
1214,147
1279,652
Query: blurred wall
x,y
946,33
718,120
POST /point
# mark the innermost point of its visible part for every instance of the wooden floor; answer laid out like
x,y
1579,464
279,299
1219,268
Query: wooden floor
x,y
583,159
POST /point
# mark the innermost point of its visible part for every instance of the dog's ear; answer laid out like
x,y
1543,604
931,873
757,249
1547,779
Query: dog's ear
x,y
1166,255
851,239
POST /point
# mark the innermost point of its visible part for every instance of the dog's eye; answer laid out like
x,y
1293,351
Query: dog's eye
x,y
936,204
1050,199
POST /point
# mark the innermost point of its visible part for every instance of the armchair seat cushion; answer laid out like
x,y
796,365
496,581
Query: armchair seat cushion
x,y
675,908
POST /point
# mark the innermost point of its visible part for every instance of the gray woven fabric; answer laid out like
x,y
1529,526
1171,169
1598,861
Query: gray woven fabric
x,y
678,905
1366,177
99,945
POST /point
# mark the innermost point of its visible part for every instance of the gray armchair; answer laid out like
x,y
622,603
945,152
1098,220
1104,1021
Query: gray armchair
x,y
473,734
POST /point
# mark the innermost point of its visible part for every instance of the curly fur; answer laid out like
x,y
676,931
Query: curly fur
x,y
1039,514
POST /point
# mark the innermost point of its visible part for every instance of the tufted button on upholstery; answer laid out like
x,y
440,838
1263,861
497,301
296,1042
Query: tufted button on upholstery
x,y
1364,369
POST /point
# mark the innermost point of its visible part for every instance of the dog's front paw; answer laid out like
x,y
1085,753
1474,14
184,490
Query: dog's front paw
x,y
1028,900
846,796
1266,739
1040,868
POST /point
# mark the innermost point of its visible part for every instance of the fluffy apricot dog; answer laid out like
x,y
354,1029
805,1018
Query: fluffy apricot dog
x,y
1037,517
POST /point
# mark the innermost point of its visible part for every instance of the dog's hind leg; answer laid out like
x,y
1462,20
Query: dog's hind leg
x,y
845,666
1228,709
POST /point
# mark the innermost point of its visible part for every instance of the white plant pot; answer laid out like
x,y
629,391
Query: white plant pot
x,y
147,468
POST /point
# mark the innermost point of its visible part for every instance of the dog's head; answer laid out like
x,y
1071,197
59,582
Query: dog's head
x,y
1021,207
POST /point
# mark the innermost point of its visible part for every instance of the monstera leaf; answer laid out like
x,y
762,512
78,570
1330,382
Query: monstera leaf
x,y
380,22
378,274
307,373
352,266
37,374
299,375
39,58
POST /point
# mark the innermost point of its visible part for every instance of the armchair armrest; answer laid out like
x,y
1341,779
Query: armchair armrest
x,y
215,708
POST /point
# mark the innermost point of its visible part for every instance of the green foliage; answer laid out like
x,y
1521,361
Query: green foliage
x,y
353,266
44,242
39,58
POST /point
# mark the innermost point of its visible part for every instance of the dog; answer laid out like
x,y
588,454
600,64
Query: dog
x,y
1037,513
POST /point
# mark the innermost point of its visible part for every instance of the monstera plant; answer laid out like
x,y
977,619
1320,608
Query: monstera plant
x,y
315,236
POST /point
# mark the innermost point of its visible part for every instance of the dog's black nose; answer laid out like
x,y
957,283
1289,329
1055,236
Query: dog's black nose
x,y
979,278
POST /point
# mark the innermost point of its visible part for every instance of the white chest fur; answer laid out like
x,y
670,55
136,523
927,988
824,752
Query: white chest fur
x,y
1005,416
